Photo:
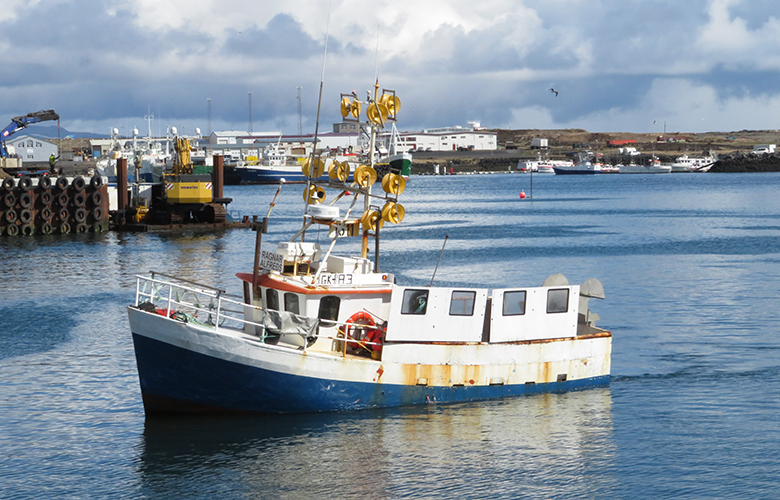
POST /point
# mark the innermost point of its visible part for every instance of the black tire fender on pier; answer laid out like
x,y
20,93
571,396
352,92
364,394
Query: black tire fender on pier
x,y
79,199
81,228
12,230
78,184
25,216
46,198
25,183
28,229
97,198
47,214
11,216
44,182
80,215
25,200
62,183
46,228
63,199
96,182
8,183
63,214
97,213
9,200
64,228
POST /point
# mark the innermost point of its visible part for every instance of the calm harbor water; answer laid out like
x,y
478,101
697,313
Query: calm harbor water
x,y
691,269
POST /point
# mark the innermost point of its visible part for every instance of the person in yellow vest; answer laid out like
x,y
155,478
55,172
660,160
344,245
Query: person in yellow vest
x,y
52,163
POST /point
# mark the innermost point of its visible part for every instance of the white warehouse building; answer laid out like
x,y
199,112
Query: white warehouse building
x,y
437,139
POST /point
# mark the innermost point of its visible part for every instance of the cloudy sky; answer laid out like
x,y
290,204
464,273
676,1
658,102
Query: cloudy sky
x,y
618,65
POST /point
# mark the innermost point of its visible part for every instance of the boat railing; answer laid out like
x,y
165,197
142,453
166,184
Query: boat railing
x,y
211,307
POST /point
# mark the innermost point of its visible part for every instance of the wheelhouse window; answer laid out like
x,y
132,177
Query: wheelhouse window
x,y
272,299
415,302
462,303
558,300
514,303
291,303
329,310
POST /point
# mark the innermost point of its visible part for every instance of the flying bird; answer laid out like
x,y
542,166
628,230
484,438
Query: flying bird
x,y
554,92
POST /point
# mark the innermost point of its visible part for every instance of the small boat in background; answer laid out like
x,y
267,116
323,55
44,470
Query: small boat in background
x,y
687,163
583,166
654,167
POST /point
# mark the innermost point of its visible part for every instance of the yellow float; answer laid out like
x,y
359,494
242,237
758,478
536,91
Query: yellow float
x,y
314,169
393,212
365,176
338,170
370,219
393,184
314,195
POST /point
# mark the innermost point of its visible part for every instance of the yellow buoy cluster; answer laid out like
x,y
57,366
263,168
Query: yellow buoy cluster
x,y
383,109
378,111
350,108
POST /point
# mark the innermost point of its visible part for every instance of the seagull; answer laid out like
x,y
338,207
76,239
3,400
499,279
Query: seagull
x,y
554,92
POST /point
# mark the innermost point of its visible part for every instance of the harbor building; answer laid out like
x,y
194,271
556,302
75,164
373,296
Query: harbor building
x,y
32,149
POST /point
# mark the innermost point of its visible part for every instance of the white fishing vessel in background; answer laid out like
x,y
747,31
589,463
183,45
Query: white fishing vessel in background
x,y
583,166
318,331
654,167
687,163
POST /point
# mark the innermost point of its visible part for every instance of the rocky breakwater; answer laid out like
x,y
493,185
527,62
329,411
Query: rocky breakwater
x,y
747,162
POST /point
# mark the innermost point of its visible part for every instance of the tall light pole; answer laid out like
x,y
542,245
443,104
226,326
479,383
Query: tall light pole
x,y
250,113
209,113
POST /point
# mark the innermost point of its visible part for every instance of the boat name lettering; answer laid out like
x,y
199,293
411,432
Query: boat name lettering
x,y
272,261
335,279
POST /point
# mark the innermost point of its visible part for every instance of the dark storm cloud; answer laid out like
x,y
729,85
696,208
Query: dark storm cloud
x,y
283,38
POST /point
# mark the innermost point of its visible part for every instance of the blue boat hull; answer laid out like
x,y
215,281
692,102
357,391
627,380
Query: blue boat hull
x,y
572,171
178,380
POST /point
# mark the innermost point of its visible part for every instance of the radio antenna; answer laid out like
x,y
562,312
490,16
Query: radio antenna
x,y
437,263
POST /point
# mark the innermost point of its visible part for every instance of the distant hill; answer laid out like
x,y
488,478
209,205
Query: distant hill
x,y
50,131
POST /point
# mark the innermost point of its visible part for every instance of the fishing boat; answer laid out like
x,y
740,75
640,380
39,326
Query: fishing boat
x,y
654,167
581,167
318,331
277,164
539,166
687,163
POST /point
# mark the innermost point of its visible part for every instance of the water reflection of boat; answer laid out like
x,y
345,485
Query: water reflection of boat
x,y
553,438
316,331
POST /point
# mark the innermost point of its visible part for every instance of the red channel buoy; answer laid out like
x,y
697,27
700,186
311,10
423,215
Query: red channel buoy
x,y
522,195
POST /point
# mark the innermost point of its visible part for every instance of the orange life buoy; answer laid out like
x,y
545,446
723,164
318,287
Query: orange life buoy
x,y
362,321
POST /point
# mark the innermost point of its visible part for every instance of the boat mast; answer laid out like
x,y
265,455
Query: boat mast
x,y
372,158
317,122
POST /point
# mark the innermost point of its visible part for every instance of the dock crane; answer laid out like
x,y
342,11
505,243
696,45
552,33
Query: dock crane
x,y
20,122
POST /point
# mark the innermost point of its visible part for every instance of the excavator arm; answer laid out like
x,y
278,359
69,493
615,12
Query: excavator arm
x,y
20,122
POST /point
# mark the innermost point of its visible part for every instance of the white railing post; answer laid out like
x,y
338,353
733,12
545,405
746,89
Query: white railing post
x,y
216,320
170,299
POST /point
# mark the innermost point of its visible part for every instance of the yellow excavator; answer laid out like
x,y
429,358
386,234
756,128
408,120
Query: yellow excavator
x,y
185,195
